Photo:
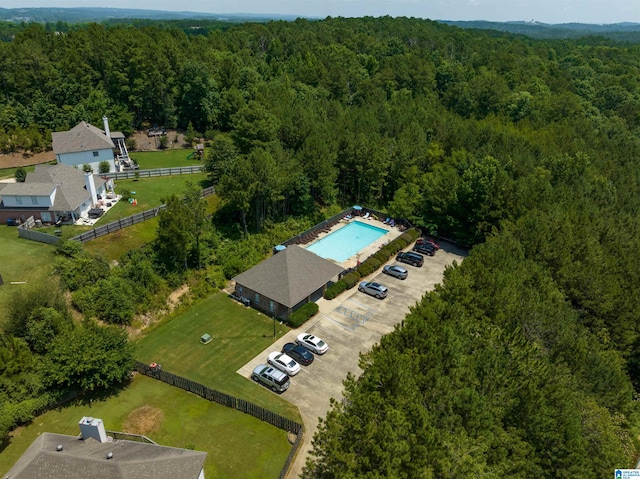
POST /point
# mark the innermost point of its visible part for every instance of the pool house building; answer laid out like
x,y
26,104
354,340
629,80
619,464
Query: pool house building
x,y
287,280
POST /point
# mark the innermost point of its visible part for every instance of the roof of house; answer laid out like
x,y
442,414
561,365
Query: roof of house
x,y
82,137
23,189
69,181
290,276
82,458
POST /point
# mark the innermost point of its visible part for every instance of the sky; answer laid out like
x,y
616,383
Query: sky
x,y
546,11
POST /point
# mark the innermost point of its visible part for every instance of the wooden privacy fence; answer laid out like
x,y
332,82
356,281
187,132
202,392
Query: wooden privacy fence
x,y
246,407
131,174
37,236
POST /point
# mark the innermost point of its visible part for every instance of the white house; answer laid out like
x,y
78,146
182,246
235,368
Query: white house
x,y
85,144
53,193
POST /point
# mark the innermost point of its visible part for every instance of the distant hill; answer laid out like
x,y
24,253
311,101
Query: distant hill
x,y
80,15
627,31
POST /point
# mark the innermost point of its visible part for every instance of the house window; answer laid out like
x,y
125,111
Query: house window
x,y
34,200
257,298
18,200
240,289
45,216
272,306
95,154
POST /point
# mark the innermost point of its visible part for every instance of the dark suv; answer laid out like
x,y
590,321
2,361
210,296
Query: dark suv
x,y
414,259
299,353
425,248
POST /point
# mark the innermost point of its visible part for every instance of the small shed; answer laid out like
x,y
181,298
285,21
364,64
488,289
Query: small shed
x,y
206,339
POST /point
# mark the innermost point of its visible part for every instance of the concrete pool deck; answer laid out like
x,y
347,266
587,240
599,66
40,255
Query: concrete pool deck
x,y
392,233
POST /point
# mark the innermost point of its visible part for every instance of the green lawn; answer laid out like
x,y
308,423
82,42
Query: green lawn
x,y
148,160
11,172
21,260
239,334
114,245
238,445
149,193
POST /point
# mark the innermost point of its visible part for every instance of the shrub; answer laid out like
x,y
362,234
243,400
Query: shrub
x,y
351,279
126,194
302,315
366,268
21,175
335,289
87,168
414,233
405,237
233,266
382,255
104,167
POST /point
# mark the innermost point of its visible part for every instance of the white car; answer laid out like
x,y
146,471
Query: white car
x,y
284,363
312,343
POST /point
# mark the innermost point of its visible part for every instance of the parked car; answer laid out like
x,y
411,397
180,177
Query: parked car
x,y
299,353
284,363
374,289
271,377
428,240
396,271
312,343
414,259
425,248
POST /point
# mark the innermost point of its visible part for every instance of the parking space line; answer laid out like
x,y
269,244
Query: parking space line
x,y
363,305
339,324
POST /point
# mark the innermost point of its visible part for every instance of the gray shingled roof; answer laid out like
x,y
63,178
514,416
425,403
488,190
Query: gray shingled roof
x,y
289,276
35,189
69,180
81,459
82,137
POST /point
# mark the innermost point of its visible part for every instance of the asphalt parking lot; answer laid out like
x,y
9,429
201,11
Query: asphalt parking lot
x,y
352,323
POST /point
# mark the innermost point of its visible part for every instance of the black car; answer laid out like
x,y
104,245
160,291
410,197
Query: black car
x,y
299,353
414,259
425,248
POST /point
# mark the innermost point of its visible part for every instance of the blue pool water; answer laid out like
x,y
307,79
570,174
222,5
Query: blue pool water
x,y
347,241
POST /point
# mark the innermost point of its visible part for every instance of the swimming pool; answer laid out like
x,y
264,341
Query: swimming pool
x,y
347,241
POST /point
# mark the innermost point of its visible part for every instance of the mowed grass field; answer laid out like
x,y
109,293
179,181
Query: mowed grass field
x,y
21,260
148,160
149,194
239,333
237,445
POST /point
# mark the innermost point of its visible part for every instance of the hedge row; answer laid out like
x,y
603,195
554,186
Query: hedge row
x,y
372,263
302,315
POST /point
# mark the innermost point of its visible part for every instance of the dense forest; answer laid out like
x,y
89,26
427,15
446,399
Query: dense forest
x,y
525,361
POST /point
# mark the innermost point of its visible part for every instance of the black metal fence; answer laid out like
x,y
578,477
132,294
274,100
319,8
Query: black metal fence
x,y
246,407
118,225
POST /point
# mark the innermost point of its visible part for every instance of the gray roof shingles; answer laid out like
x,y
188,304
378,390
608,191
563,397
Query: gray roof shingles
x,y
35,189
80,459
69,181
289,276
82,137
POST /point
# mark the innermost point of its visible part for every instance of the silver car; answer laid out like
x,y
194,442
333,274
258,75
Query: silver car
x,y
374,289
396,271
271,377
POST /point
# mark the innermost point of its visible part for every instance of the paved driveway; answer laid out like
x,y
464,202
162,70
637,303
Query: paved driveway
x,y
350,324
